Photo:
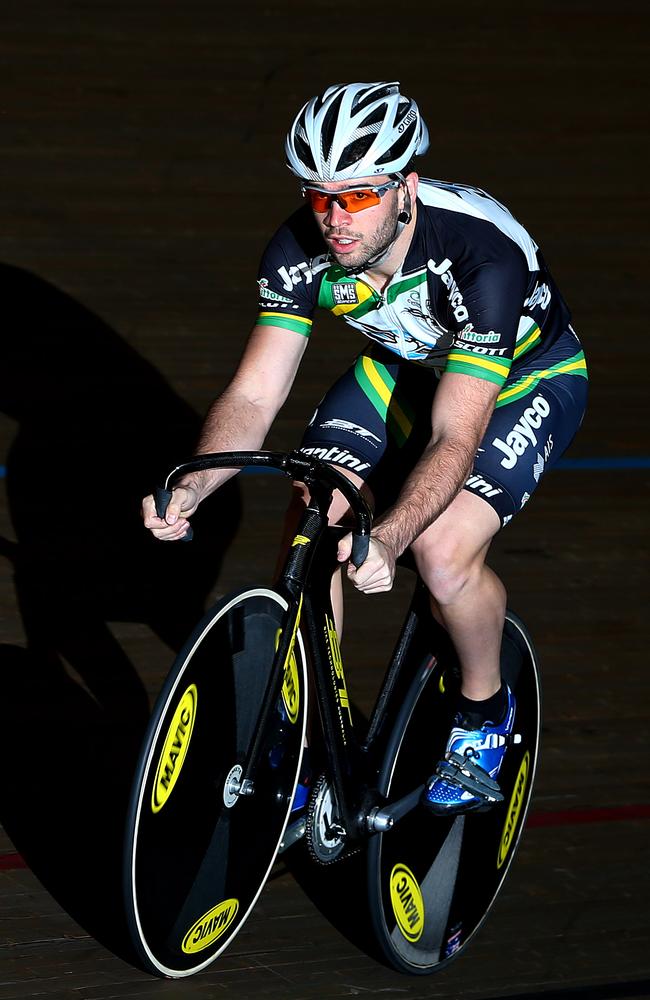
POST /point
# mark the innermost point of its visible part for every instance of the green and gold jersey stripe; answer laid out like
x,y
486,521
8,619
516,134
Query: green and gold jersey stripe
x,y
575,365
299,324
404,285
469,363
530,339
379,386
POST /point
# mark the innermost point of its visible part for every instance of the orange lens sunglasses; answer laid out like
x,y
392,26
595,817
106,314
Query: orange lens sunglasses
x,y
352,200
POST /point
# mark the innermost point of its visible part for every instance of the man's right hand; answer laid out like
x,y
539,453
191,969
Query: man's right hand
x,y
174,526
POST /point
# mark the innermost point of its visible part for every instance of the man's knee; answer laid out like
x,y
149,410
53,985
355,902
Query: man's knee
x,y
447,564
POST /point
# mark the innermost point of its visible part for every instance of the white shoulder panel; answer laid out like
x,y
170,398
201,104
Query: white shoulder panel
x,y
472,201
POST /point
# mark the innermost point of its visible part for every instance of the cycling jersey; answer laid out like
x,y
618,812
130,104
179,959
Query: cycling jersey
x,y
473,294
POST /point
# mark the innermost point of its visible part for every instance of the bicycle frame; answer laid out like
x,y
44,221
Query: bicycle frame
x,y
307,592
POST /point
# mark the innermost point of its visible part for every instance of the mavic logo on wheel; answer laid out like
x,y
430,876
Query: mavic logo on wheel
x,y
210,926
177,741
516,802
407,902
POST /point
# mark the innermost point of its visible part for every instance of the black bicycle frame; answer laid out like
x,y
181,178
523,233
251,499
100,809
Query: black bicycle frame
x,y
308,600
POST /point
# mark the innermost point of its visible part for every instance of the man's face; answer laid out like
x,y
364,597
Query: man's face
x,y
353,238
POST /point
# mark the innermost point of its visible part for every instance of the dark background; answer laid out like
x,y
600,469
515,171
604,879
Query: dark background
x,y
141,173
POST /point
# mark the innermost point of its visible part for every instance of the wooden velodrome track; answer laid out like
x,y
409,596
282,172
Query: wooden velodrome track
x,y
142,172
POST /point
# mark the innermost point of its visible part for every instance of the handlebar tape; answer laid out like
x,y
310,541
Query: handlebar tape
x,y
161,499
360,546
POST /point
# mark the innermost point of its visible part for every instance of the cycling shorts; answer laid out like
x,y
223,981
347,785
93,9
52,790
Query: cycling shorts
x,y
376,421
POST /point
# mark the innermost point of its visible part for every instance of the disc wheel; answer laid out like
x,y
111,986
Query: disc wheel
x,y
198,850
432,879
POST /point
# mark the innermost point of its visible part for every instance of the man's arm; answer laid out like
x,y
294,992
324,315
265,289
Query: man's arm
x,y
239,419
461,411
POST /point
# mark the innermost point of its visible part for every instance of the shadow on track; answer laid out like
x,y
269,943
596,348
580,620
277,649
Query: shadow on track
x,y
97,427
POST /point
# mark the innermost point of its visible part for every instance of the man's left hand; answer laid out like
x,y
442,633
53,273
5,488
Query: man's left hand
x,y
377,573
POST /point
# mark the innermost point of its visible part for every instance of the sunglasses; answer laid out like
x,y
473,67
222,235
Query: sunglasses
x,y
353,200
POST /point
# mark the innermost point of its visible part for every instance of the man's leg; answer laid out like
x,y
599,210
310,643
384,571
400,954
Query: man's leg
x,y
469,600
467,595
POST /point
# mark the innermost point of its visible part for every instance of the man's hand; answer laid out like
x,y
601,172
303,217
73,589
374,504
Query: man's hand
x,y
377,573
174,526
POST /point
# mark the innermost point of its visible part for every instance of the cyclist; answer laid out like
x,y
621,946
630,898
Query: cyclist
x,y
471,386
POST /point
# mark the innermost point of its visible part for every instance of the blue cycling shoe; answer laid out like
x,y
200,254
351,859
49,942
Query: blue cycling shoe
x,y
303,788
465,779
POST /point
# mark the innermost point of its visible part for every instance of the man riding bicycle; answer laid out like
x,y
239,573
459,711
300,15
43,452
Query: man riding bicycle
x,y
472,384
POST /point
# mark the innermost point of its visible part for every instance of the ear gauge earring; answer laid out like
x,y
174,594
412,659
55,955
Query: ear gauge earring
x,y
405,215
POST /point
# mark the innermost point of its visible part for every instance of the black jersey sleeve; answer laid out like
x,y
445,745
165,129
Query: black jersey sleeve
x,y
288,275
485,282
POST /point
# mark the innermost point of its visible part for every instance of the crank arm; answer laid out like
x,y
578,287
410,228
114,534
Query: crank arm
x,y
382,820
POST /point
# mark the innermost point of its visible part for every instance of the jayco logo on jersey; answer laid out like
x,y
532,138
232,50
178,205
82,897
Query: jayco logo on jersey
x,y
523,433
541,297
344,293
455,297
303,272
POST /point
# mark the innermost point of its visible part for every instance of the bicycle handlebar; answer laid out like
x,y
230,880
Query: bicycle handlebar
x,y
308,470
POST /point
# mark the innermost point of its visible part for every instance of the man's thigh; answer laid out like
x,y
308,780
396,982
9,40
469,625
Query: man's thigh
x,y
374,422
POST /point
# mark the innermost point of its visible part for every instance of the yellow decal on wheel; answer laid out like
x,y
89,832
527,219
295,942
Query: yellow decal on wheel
x,y
512,816
210,926
291,682
407,902
177,741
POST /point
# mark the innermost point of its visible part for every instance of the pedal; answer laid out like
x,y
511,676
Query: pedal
x,y
464,773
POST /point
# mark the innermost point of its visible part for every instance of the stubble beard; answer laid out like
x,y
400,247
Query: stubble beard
x,y
371,246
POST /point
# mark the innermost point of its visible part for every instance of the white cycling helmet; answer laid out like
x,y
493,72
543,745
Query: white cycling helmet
x,y
355,130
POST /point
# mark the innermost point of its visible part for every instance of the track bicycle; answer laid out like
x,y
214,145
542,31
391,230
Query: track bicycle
x,y
211,799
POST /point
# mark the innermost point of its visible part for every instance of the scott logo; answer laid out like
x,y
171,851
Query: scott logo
x,y
523,433
516,802
407,902
177,741
210,926
336,666
453,293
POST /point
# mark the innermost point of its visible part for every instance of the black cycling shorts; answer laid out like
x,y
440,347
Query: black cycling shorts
x,y
376,421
